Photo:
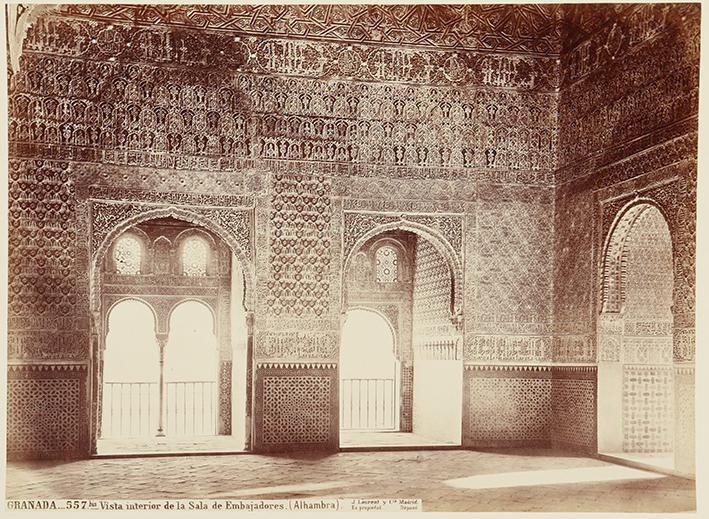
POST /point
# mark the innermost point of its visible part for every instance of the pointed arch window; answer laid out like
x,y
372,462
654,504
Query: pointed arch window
x,y
195,254
387,265
127,256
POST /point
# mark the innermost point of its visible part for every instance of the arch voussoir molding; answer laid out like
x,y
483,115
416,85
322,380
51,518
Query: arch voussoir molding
x,y
104,233
614,246
439,242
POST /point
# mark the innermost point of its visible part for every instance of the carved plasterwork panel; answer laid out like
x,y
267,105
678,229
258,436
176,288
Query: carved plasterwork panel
x,y
182,118
110,218
300,246
432,303
295,345
234,223
524,28
358,225
661,70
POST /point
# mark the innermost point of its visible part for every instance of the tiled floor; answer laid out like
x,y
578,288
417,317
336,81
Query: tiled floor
x,y
221,444
506,480
386,439
166,444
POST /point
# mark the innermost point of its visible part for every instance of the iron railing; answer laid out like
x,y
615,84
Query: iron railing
x,y
191,408
132,409
368,404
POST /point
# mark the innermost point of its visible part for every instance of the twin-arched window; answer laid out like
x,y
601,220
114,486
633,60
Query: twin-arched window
x,y
194,256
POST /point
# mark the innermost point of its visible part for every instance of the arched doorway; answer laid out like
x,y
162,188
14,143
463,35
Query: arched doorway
x,y
131,372
408,274
195,287
635,375
368,373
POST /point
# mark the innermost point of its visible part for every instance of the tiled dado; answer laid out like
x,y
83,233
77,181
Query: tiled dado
x,y
573,406
506,405
47,416
296,407
530,405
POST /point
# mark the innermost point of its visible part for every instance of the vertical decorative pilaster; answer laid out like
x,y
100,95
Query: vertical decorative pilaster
x,y
225,386
249,380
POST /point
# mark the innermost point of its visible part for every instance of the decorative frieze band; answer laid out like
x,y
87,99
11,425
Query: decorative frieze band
x,y
508,371
290,57
506,347
55,367
295,345
47,344
295,365
684,370
586,368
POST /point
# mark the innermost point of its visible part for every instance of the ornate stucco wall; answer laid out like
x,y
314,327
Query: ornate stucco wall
x,y
628,121
510,147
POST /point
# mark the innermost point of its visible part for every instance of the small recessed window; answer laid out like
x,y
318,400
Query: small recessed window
x,y
126,255
194,257
387,265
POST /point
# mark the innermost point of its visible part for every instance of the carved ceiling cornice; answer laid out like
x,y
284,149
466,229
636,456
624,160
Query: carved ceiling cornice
x,y
540,30
519,29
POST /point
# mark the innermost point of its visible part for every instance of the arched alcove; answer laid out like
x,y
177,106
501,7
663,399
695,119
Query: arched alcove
x,y
199,222
198,295
410,274
447,253
635,374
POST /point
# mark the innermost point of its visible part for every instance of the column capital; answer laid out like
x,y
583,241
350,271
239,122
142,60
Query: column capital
x,y
162,339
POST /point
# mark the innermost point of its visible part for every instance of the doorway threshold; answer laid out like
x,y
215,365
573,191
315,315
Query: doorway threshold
x,y
358,441
166,446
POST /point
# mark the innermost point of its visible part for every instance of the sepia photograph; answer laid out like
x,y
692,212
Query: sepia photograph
x,y
351,257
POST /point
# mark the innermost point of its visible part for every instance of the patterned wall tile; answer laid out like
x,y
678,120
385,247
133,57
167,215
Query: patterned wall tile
x,y
507,406
296,406
648,408
684,437
573,408
46,414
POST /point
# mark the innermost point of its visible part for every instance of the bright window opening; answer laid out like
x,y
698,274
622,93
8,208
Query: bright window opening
x,y
131,372
191,371
368,388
